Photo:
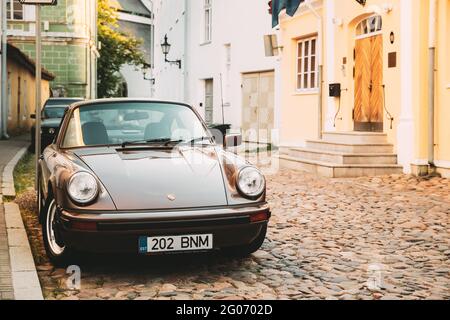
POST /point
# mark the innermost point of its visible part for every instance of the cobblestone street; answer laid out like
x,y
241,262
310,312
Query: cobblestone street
x,y
365,238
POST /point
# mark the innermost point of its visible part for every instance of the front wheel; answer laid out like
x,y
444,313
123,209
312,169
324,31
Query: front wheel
x,y
57,252
248,249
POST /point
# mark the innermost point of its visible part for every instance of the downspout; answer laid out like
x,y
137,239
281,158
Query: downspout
x,y
95,54
320,61
151,8
152,50
4,77
186,42
431,79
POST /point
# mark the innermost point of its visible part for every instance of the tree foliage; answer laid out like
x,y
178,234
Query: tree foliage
x,y
117,48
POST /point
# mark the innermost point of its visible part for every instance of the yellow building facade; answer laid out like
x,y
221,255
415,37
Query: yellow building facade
x,y
22,90
376,70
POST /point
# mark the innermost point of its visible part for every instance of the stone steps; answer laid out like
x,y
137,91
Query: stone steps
x,y
337,170
355,137
344,154
349,148
342,158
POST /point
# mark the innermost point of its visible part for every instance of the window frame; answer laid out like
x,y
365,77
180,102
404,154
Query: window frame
x,y
369,27
300,75
11,11
207,16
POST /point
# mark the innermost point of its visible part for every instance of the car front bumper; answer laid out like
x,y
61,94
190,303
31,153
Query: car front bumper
x,y
120,232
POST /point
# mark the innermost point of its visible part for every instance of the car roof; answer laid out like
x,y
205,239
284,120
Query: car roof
x,y
61,101
123,100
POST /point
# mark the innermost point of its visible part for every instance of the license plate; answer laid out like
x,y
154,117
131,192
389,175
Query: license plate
x,y
176,243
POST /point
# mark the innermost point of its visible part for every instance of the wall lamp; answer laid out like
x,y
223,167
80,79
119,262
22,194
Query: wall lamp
x,y
146,70
165,46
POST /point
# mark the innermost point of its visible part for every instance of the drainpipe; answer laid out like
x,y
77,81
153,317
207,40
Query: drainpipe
x,y
320,61
4,77
152,50
186,95
431,79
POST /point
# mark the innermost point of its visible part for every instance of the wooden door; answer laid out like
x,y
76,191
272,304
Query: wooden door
x,y
368,112
266,103
258,106
209,101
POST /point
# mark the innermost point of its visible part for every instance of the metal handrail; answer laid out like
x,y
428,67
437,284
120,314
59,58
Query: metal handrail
x,y
390,117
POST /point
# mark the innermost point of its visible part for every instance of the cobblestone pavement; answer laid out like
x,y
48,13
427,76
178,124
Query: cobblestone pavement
x,y
365,238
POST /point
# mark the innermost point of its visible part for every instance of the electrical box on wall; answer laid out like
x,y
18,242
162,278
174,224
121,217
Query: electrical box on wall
x,y
335,90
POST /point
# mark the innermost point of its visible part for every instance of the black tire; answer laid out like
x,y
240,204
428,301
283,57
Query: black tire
x,y
40,205
246,250
56,251
32,147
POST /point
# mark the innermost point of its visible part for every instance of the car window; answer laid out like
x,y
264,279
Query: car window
x,y
54,112
57,102
116,123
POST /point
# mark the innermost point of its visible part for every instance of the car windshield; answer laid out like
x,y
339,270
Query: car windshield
x,y
60,102
123,123
54,112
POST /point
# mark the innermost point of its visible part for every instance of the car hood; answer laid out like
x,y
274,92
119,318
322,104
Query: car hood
x,y
185,177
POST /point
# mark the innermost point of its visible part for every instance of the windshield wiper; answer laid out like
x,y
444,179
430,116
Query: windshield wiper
x,y
193,141
165,141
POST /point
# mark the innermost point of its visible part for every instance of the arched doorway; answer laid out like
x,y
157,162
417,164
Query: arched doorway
x,y
368,77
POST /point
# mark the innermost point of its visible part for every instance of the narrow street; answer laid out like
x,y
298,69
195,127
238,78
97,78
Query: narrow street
x,y
364,238
313,134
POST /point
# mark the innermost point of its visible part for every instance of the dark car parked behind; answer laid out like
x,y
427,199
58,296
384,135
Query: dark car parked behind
x,y
51,116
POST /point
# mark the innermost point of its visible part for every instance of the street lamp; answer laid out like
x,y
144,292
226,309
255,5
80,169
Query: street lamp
x,y
146,70
165,46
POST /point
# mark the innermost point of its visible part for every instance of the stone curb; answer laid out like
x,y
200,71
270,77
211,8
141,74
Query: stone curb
x,y
8,189
26,283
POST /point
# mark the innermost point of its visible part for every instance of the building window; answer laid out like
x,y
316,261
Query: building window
x,y
208,21
14,11
307,69
369,26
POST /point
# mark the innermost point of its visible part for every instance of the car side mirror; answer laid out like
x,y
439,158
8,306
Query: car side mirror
x,y
232,140
32,116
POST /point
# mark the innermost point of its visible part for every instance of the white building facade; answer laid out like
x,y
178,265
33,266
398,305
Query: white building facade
x,y
136,19
224,71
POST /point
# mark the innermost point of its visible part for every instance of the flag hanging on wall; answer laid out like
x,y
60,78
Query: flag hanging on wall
x,y
291,7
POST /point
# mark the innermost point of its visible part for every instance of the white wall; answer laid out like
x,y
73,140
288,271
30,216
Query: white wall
x,y
138,87
241,24
170,20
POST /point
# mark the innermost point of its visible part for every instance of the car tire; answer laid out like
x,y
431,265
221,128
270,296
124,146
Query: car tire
x,y
39,204
32,147
248,249
57,252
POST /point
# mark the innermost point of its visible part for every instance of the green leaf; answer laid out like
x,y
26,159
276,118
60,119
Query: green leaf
x,y
118,49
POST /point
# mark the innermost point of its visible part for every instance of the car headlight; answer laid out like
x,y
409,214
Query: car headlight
x,y
82,187
251,182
